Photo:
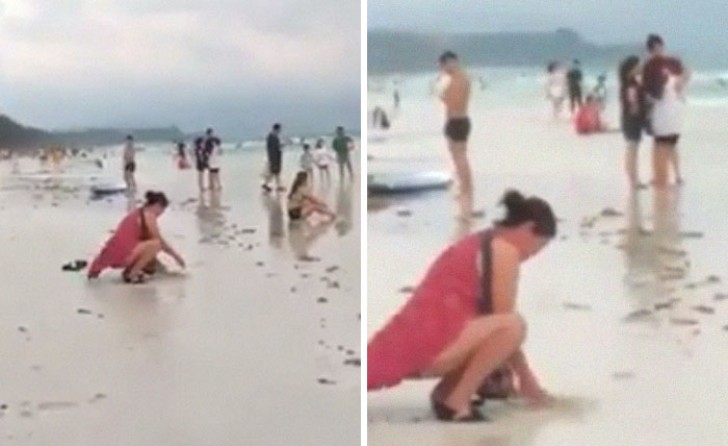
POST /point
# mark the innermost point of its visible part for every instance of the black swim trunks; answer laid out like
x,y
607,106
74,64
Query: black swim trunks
x,y
295,214
130,167
202,165
668,139
457,129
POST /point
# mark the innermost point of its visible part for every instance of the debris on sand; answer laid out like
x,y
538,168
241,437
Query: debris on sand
x,y
56,405
332,269
720,296
704,309
407,290
83,311
637,315
22,329
623,375
725,328
690,234
98,397
322,300
666,305
577,306
353,362
609,212
326,382
404,213
248,231
683,321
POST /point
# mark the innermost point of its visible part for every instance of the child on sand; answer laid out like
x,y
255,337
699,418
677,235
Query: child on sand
x,y
135,244
302,204
461,323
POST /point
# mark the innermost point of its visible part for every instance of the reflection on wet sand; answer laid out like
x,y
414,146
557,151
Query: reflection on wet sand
x,y
211,218
303,235
344,210
276,231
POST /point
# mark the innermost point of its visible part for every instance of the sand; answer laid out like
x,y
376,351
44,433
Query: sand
x,y
625,327
230,352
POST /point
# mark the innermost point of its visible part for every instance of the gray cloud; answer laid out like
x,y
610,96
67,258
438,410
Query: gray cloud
x,y
107,62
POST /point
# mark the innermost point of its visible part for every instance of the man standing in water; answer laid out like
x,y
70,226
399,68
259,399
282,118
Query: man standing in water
x,y
130,164
575,78
456,96
274,148
342,147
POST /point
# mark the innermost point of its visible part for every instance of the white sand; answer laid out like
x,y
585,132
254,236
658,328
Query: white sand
x,y
649,382
227,354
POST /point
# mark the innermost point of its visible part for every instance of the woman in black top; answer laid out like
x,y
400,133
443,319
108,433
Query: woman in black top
x,y
632,100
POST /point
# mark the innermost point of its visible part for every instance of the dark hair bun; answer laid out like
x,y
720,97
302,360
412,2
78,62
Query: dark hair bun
x,y
513,201
150,196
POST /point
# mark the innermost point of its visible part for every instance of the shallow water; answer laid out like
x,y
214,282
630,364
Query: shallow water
x,y
629,363
233,350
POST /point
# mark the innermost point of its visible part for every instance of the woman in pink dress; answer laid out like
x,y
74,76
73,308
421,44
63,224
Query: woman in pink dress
x,y
136,243
461,324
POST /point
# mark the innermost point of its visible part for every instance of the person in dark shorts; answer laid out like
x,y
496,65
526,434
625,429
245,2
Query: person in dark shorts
x,y
575,78
455,94
302,204
632,100
274,149
201,162
342,146
130,164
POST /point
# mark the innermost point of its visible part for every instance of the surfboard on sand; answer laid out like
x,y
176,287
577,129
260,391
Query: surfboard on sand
x,y
404,183
108,188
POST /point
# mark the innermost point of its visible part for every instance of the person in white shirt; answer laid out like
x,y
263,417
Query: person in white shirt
x,y
307,161
214,164
322,158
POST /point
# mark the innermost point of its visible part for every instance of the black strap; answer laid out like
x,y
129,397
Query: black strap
x,y
485,300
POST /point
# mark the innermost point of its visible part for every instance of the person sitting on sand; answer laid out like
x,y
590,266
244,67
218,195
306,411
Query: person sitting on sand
x,y
302,204
135,244
588,120
461,323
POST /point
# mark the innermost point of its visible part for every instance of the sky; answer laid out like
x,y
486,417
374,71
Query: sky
x,y
237,65
695,25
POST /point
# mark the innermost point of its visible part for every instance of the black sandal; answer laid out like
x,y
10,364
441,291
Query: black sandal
x,y
134,280
444,413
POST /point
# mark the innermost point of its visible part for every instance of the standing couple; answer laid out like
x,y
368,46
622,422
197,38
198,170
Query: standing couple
x,y
652,98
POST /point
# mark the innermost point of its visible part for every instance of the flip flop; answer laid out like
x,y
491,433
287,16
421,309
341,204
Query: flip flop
x,y
134,280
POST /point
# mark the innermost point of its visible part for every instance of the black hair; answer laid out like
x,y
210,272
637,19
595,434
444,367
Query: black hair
x,y
339,129
625,72
129,137
447,56
653,40
301,178
199,141
552,66
208,131
276,126
520,209
306,146
153,198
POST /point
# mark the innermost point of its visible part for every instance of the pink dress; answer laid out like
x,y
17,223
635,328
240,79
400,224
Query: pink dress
x,y
439,309
116,252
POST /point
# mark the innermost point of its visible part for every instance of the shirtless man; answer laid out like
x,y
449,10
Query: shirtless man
x,y
455,96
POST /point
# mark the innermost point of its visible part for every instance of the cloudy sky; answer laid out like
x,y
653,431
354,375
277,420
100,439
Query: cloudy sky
x,y
238,65
690,25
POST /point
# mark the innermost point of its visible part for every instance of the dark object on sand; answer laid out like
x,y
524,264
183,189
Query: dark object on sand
x,y
576,306
353,362
77,265
609,212
322,300
704,309
407,183
637,315
683,321
407,290
325,381
83,311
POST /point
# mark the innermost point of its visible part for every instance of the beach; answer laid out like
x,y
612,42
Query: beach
x,y
626,309
257,342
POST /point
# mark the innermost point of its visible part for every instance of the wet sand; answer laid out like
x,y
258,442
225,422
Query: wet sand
x,y
627,311
238,350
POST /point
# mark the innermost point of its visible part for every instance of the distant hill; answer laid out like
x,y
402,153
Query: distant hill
x,y
407,52
16,136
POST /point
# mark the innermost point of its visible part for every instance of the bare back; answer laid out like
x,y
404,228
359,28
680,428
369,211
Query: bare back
x,y
457,96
